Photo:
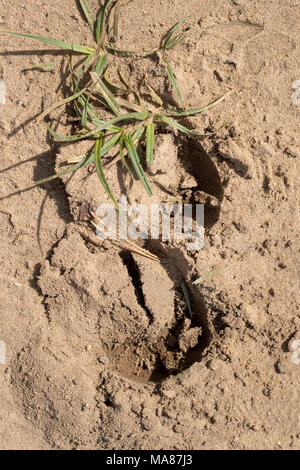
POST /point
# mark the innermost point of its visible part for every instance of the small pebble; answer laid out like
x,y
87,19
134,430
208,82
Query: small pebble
x,y
2,92
168,393
254,316
2,353
104,360
283,365
88,347
214,364
294,342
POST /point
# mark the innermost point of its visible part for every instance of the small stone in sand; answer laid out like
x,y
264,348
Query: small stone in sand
x,y
104,360
2,92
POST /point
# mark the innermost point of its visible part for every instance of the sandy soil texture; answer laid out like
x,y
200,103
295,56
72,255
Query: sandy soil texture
x,y
100,352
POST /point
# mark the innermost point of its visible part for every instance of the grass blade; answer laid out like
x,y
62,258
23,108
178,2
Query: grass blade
x,y
106,93
169,42
117,90
44,66
109,126
88,13
137,135
67,138
120,52
129,105
63,45
108,145
90,111
82,72
100,172
172,43
181,128
71,168
118,5
123,157
101,65
134,157
207,276
59,103
154,95
186,294
192,112
84,115
100,29
116,20
174,83
150,135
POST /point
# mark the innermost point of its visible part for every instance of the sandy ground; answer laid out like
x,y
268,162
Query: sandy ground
x,y
100,353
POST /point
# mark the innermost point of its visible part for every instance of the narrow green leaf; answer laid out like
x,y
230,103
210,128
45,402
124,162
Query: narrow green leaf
x,y
60,103
155,96
186,294
88,13
90,111
100,172
44,66
150,135
114,88
207,276
167,42
172,43
109,125
100,29
116,20
123,157
174,83
66,171
67,138
63,45
191,112
85,108
106,93
118,5
82,71
89,158
105,126
101,65
129,105
120,52
135,159
110,143
138,134
181,128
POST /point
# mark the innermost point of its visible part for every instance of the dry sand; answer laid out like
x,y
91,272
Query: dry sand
x,y
99,351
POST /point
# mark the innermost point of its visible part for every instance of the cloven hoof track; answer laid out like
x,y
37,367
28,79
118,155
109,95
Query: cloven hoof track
x,y
128,308
182,343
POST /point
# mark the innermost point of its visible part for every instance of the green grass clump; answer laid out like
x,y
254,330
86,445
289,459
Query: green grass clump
x,y
132,121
